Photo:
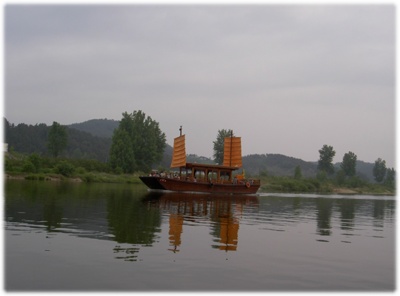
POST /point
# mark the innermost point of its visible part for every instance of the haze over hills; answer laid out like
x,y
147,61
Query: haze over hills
x,y
97,127
92,139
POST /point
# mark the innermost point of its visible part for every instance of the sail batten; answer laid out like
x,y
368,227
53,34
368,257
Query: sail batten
x,y
233,152
179,154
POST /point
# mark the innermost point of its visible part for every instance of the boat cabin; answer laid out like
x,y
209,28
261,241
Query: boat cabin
x,y
198,172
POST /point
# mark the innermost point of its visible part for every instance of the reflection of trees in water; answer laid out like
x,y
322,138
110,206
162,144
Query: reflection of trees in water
x,y
347,209
324,209
378,210
126,254
34,203
324,212
130,221
382,209
52,213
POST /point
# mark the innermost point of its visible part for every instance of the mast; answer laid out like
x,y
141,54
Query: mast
x,y
230,158
180,168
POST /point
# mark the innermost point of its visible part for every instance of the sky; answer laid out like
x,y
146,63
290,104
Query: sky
x,y
288,79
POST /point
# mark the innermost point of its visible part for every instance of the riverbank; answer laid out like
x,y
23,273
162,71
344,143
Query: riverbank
x,y
278,185
35,167
87,178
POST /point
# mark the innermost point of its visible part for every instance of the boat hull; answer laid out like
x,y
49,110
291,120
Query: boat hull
x,y
173,184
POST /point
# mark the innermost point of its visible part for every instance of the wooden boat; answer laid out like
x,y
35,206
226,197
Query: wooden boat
x,y
196,177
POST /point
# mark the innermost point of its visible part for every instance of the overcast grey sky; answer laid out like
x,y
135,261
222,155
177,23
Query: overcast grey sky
x,y
287,79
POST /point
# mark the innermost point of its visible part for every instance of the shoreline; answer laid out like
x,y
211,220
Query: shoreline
x,y
134,179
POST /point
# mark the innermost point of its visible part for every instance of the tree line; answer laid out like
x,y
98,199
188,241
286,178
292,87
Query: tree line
x,y
381,173
136,145
30,139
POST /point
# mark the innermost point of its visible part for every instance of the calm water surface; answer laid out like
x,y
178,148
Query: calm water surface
x,y
101,237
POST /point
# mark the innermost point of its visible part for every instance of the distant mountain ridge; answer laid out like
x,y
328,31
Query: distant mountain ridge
x,y
282,165
92,139
97,127
33,139
277,165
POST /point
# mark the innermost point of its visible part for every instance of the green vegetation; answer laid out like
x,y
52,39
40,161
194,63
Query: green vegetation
x,y
137,143
29,139
219,145
326,155
103,128
289,184
344,181
348,164
35,167
283,184
57,139
379,170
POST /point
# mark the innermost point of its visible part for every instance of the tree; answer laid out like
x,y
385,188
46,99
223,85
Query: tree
x,y
219,145
137,144
57,139
390,179
326,155
340,177
348,164
297,172
379,170
36,161
65,168
121,153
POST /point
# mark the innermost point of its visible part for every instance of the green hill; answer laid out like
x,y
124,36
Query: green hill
x,y
282,165
277,165
33,139
97,127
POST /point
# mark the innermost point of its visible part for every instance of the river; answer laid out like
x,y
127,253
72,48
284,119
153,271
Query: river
x,y
61,236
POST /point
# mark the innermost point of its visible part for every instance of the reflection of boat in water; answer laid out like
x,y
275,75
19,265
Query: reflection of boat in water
x,y
195,177
171,198
222,210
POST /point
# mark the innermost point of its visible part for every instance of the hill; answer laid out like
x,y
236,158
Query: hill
x,y
33,139
103,128
277,165
281,165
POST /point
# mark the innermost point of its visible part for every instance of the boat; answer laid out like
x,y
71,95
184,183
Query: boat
x,y
204,178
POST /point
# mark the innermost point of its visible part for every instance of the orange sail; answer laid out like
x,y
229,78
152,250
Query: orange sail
x,y
179,156
233,152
